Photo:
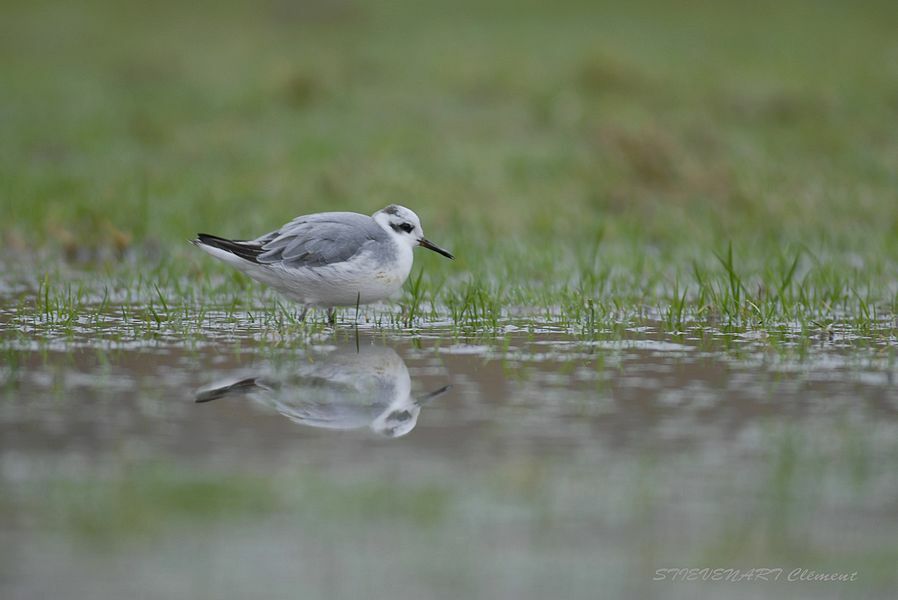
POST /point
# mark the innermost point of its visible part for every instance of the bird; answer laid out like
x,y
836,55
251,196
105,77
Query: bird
x,y
330,259
337,388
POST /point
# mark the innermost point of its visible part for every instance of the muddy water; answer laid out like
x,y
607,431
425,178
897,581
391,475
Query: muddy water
x,y
341,466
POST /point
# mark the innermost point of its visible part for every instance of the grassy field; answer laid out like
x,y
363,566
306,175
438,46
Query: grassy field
x,y
588,162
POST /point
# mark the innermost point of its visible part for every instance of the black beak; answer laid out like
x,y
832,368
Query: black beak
x,y
433,394
431,246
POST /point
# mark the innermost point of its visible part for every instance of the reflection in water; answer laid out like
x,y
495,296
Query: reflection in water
x,y
345,388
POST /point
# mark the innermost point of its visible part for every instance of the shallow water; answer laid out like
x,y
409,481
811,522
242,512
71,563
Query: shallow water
x,y
339,465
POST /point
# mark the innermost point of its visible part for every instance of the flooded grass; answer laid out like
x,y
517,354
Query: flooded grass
x,y
774,298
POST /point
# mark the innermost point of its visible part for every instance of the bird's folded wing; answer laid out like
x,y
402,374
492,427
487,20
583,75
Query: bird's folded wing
x,y
319,240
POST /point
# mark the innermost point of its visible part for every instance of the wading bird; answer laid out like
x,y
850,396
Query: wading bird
x,y
330,259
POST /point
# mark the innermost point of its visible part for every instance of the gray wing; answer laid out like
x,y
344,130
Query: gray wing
x,y
319,239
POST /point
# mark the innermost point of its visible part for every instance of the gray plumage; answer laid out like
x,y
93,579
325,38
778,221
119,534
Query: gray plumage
x,y
341,388
330,259
322,239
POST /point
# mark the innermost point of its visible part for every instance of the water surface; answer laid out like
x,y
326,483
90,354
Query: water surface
x,y
339,465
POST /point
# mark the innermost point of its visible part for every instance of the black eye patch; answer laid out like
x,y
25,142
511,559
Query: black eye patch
x,y
406,227
401,416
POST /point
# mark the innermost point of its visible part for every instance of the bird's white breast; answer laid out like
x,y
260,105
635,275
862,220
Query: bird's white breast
x,y
365,278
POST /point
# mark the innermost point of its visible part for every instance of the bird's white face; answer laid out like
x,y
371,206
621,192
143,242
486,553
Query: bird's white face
x,y
401,223
397,420
405,227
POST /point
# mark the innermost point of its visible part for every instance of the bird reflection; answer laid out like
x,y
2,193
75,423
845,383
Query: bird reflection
x,y
341,388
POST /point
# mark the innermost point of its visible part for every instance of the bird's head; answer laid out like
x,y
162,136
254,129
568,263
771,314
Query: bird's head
x,y
405,226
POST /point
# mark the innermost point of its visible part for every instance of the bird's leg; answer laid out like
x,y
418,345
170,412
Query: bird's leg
x,y
332,316
302,314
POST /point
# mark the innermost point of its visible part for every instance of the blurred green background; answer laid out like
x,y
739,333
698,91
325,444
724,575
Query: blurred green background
x,y
682,125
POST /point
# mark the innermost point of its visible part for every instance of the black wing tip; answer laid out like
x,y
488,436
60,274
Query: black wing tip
x,y
206,239
242,386
209,239
236,247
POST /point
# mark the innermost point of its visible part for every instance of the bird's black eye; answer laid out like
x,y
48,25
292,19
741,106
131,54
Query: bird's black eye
x,y
406,227
401,416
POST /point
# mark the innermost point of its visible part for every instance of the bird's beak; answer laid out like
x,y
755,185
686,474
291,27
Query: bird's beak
x,y
424,243
433,394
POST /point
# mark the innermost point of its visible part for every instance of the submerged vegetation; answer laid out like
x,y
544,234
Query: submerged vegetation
x,y
788,294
